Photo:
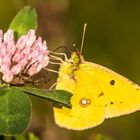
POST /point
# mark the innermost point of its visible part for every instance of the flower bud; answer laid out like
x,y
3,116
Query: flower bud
x,y
21,42
45,60
31,37
3,49
8,77
35,68
4,68
16,69
23,62
8,36
11,47
7,59
35,45
25,52
17,56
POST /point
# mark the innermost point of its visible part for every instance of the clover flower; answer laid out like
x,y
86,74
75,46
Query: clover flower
x,y
28,54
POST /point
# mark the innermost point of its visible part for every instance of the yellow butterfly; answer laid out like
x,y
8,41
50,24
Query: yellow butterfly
x,y
98,94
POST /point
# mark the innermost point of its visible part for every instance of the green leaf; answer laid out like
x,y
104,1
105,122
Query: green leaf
x,y
57,96
25,19
3,90
15,112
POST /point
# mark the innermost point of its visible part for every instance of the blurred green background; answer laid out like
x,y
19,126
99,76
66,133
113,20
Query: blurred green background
x,y
112,39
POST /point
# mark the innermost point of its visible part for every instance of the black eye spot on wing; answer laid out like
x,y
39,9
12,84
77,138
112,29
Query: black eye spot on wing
x,y
111,103
121,102
112,82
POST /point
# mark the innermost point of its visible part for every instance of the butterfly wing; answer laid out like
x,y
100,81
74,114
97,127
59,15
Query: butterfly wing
x,y
98,93
88,108
122,96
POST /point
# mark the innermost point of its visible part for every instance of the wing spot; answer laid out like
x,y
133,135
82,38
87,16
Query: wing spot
x,y
84,102
121,102
101,94
112,82
137,89
111,103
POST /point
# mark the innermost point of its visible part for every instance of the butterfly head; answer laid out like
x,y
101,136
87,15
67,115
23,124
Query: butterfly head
x,y
69,66
76,58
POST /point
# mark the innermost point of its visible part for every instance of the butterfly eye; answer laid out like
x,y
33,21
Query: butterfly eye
x,y
84,102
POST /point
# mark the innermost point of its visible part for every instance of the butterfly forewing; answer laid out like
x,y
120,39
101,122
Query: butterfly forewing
x,y
122,96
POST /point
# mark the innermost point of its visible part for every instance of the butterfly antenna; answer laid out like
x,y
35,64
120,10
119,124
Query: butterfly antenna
x,y
83,37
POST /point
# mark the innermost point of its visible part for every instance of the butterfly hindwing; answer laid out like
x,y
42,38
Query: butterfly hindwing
x,y
87,102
